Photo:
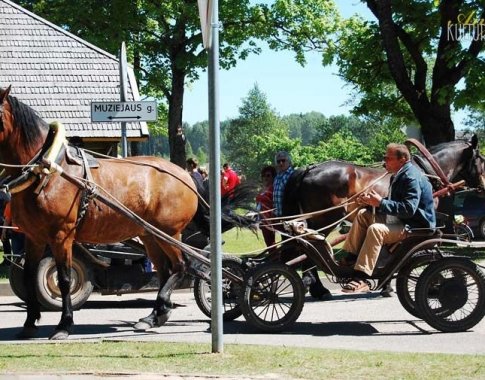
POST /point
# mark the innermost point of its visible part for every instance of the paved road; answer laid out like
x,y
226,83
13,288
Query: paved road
x,y
363,322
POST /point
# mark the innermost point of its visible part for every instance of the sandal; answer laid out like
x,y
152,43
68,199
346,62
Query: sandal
x,y
356,286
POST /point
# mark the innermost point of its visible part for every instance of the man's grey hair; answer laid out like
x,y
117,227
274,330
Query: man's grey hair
x,y
401,150
282,154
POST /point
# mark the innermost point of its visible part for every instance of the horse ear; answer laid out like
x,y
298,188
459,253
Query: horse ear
x,y
474,141
4,94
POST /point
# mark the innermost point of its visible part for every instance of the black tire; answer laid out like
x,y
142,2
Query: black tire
x,y
16,277
230,290
450,294
481,229
48,292
406,281
273,297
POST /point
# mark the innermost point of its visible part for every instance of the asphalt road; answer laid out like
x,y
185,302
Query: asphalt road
x,y
356,322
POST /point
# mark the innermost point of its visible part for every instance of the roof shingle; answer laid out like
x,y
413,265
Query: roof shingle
x,y
59,74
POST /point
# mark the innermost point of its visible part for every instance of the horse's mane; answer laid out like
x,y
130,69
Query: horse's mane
x,y
450,144
27,121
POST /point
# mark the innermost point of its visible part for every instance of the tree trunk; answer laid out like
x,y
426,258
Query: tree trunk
x,y
176,135
434,118
436,124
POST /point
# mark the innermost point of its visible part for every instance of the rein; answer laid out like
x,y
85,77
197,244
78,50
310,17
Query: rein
x,y
348,201
425,152
117,206
203,201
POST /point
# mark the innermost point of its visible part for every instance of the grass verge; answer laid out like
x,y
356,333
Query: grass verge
x,y
237,361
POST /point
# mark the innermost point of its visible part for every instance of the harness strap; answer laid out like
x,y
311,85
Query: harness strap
x,y
425,152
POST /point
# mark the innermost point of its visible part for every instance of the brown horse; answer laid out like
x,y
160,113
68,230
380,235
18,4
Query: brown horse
x,y
47,210
331,183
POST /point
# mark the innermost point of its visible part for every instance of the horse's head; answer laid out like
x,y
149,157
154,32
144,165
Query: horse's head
x,y
474,170
461,160
22,131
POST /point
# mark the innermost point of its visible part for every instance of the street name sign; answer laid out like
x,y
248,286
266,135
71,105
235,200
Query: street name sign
x,y
123,111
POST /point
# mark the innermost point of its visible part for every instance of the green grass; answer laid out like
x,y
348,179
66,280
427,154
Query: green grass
x,y
237,360
242,241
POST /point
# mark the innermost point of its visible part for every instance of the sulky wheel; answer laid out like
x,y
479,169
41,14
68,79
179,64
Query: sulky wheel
x,y
273,298
450,294
406,280
230,290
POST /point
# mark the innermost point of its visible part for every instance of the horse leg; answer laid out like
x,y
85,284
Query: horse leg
x,y
33,254
170,275
62,251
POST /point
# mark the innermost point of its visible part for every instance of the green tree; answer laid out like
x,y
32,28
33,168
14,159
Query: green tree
x,y
245,136
164,42
407,64
304,126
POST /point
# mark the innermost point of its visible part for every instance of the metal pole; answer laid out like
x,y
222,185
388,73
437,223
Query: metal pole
x,y
123,96
214,184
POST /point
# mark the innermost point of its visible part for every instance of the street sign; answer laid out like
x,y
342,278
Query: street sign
x,y
123,111
205,16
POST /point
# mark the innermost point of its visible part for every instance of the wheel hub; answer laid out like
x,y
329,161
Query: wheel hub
x,y
453,293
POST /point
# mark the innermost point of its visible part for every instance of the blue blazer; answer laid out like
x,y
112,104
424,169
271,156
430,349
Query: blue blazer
x,y
411,198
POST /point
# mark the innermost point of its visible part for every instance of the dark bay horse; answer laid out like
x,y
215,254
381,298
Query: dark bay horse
x,y
332,183
46,208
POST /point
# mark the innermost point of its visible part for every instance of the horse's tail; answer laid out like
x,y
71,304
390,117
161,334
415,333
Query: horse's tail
x,y
291,200
242,197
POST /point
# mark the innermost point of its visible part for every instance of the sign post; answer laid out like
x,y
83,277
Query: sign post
x,y
212,45
123,96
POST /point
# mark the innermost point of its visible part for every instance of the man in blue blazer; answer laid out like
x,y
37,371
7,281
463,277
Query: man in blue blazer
x,y
409,203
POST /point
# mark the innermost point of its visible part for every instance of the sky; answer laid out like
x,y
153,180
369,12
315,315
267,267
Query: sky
x,y
289,87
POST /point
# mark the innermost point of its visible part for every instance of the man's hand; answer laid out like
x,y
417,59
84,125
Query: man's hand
x,y
372,198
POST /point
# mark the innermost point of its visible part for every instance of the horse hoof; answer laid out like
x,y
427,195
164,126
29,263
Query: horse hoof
x,y
142,326
59,335
163,318
28,333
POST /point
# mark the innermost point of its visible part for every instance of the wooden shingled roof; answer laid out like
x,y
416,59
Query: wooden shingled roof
x,y
59,74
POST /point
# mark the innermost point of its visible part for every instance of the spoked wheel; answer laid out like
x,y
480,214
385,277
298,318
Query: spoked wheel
x,y
450,294
406,280
230,290
273,297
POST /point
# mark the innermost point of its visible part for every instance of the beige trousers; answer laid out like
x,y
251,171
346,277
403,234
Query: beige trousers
x,y
366,238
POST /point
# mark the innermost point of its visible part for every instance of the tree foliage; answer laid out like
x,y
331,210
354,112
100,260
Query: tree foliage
x,y
405,63
409,63
246,136
164,42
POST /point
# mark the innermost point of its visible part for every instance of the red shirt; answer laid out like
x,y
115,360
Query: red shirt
x,y
265,199
229,181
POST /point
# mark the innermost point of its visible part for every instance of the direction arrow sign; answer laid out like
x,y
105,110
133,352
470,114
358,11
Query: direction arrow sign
x,y
123,111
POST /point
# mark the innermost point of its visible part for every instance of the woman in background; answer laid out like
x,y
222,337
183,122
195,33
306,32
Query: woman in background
x,y
264,202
